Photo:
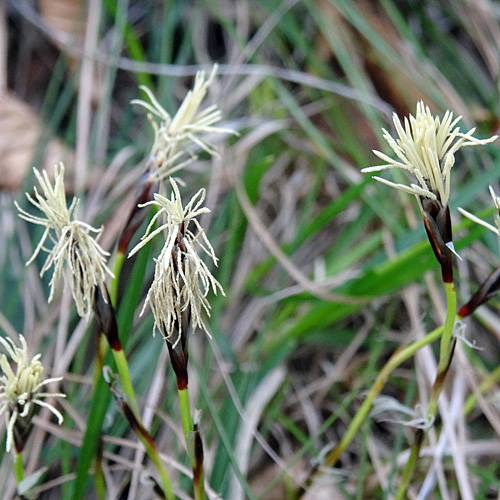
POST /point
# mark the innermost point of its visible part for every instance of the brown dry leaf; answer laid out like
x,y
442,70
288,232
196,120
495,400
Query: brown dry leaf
x,y
20,131
70,18
66,16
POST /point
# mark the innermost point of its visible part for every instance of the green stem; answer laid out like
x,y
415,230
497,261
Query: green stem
x,y
390,366
142,433
124,373
19,467
188,429
130,411
113,285
446,347
451,312
160,467
186,419
410,465
445,356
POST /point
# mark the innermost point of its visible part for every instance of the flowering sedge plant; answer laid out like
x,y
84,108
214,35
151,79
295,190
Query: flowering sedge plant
x,y
20,390
426,147
173,135
75,252
178,294
172,148
182,280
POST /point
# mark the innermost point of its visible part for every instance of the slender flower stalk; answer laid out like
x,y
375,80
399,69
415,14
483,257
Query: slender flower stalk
x,y
20,392
75,251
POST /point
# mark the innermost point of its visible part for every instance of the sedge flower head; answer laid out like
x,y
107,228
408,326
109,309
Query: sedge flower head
x,y
174,136
426,147
182,280
75,250
20,389
496,228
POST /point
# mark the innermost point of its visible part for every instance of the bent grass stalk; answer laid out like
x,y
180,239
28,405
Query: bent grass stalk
x,y
488,382
445,357
363,412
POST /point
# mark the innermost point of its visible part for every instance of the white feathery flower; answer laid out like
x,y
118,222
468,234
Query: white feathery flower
x,y
388,404
472,217
20,388
182,280
75,251
426,148
459,333
188,125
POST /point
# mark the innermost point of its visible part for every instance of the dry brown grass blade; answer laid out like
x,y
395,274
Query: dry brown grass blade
x,y
393,83
65,16
21,129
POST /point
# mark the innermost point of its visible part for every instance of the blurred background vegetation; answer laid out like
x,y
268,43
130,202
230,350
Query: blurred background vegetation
x,y
326,274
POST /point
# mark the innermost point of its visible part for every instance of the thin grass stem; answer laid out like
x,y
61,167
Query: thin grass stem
x,y
185,410
124,374
488,382
451,311
361,415
19,467
113,286
446,347
410,465
193,443
153,454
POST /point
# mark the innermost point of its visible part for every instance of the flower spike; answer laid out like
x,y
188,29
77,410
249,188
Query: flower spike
x,y
189,125
426,147
20,390
75,252
182,280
